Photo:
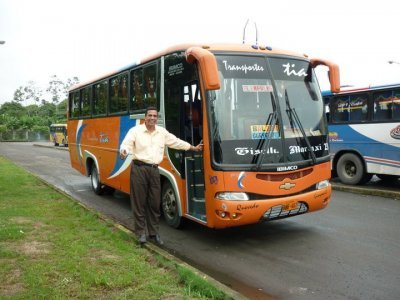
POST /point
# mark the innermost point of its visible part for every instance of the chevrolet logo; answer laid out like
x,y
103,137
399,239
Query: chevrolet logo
x,y
287,186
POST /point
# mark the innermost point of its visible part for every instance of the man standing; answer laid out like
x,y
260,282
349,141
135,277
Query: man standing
x,y
146,143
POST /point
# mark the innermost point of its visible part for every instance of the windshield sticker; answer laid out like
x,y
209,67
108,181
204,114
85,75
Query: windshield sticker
x,y
290,72
254,88
298,149
250,151
244,68
259,132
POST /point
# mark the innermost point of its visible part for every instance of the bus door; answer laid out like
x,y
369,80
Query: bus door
x,y
194,170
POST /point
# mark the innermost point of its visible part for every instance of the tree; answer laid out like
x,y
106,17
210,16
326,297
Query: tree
x,y
12,109
59,89
56,89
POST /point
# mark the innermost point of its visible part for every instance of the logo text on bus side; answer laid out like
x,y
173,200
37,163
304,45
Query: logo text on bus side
x,y
287,168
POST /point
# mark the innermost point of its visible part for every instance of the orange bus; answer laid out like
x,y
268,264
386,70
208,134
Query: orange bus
x,y
258,110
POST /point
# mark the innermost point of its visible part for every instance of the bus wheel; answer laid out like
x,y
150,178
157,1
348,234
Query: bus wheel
x,y
95,180
170,204
350,169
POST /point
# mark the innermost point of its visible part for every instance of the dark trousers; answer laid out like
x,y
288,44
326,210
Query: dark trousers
x,y
145,198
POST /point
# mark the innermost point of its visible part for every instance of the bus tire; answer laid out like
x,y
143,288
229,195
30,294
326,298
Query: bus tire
x,y
350,170
97,187
169,205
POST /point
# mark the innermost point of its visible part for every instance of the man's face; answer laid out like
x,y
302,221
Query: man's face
x,y
151,118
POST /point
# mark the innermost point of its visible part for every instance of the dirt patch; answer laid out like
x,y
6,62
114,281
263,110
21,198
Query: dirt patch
x,y
21,220
11,285
33,248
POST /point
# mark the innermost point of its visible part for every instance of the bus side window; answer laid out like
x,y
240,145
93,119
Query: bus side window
x,y
358,107
382,106
341,110
396,105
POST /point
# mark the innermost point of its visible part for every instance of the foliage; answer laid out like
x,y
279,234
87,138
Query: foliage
x,y
15,116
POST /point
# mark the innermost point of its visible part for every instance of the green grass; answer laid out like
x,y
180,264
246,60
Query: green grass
x,y
51,247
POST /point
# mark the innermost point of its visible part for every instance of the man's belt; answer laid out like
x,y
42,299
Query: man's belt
x,y
140,163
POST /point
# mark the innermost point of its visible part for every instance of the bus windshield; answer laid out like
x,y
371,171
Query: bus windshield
x,y
267,111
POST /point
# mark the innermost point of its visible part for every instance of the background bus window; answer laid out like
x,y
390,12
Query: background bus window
x,y
119,94
85,104
358,105
340,109
100,98
387,105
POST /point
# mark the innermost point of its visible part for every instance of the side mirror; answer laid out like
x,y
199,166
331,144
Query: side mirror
x,y
334,75
207,65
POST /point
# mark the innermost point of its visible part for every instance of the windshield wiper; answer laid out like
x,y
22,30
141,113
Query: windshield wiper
x,y
271,123
294,119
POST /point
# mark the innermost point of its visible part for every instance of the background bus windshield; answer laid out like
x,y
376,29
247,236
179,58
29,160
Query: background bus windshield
x,y
248,112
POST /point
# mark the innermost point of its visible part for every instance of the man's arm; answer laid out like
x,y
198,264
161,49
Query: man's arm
x,y
127,144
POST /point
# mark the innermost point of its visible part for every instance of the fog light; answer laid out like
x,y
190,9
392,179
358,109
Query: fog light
x,y
322,184
234,215
223,214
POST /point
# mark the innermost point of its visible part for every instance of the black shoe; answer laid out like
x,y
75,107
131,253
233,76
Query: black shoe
x,y
142,239
157,239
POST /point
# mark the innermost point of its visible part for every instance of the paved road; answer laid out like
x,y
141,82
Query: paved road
x,y
348,251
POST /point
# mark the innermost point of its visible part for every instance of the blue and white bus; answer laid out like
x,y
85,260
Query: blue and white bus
x,y
364,133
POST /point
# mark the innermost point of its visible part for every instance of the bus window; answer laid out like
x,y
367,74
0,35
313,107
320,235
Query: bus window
x,y
119,94
74,104
387,105
144,88
100,98
136,90
85,104
340,111
396,105
358,105
150,85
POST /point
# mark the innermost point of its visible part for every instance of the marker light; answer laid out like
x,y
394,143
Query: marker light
x,y
322,184
232,196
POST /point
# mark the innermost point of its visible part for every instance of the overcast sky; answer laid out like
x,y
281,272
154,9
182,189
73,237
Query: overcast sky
x,y
89,38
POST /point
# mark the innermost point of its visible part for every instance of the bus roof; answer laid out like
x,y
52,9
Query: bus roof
x,y
360,89
211,47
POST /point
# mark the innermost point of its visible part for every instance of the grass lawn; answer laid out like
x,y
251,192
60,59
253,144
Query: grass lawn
x,y
51,247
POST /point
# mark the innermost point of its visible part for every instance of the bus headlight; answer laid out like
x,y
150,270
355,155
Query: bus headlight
x,y
322,184
232,196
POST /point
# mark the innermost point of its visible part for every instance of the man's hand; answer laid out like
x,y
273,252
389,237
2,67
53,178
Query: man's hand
x,y
198,148
123,154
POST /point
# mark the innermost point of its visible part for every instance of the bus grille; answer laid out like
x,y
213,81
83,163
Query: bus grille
x,y
277,212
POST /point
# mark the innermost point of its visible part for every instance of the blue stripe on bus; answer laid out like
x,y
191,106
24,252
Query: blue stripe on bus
x,y
360,143
125,123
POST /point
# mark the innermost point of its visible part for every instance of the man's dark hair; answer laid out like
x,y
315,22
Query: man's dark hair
x,y
151,108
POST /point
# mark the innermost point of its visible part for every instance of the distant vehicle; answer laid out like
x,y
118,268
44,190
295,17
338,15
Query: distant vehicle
x,y
259,112
59,134
364,133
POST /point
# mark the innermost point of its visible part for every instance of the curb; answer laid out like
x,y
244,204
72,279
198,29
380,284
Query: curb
x,y
51,146
372,191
